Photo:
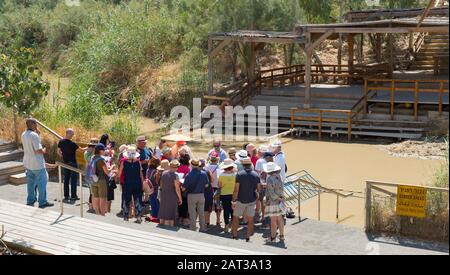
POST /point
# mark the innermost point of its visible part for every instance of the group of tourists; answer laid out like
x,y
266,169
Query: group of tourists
x,y
240,186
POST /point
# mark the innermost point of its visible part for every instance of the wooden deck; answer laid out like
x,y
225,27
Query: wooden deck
x,y
46,232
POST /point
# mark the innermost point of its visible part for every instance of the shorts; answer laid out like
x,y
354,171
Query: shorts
x,y
247,208
99,190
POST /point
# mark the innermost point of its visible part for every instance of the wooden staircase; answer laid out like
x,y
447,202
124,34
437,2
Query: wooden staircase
x,y
434,46
11,166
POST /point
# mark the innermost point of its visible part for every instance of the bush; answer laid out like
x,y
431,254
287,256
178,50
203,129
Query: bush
x,y
85,106
124,128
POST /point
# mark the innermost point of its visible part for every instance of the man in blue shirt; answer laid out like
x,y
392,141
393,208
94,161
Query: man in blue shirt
x,y
194,185
217,149
246,190
145,154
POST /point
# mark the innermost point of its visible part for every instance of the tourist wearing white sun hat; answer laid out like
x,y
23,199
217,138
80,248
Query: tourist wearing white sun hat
x,y
274,199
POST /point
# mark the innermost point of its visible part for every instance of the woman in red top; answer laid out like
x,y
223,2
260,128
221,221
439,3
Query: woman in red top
x,y
251,149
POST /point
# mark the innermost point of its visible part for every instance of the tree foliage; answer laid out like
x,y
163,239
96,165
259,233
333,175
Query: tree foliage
x,y
21,84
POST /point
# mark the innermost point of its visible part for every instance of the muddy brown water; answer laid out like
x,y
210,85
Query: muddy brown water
x,y
338,165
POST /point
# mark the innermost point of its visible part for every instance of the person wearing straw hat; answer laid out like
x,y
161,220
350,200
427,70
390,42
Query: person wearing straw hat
x,y
90,149
131,169
194,185
242,154
232,154
170,193
274,200
279,158
244,197
213,169
227,182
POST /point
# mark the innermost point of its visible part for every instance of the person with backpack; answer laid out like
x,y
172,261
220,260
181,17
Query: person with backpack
x,y
275,200
97,177
131,169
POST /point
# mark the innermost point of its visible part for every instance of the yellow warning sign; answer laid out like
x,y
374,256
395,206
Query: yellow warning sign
x,y
411,201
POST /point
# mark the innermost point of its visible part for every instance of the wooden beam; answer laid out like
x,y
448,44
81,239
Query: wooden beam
x,y
296,40
220,47
426,12
351,53
354,30
319,40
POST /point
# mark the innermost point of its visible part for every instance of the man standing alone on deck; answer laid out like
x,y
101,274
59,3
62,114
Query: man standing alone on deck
x,y
68,150
34,163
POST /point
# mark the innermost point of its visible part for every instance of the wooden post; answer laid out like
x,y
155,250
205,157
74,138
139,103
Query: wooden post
x,y
368,206
441,93
210,69
391,54
416,101
16,135
392,99
318,206
350,41
366,93
292,118
251,68
361,48
308,64
337,207
378,45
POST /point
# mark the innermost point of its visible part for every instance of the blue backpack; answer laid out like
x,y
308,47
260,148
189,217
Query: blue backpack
x,y
91,175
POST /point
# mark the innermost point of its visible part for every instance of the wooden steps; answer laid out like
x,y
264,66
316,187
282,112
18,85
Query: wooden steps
x,y
45,232
18,179
11,155
9,168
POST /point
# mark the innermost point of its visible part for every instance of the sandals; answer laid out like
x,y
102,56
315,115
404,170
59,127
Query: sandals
x,y
282,238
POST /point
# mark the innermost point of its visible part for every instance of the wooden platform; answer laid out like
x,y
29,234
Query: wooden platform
x,y
46,232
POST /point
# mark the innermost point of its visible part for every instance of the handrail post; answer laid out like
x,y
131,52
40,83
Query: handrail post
x,y
81,194
318,202
368,205
299,201
416,101
61,192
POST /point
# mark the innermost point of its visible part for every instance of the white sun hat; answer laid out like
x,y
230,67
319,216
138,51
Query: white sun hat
x,y
131,152
271,167
276,143
242,154
228,163
263,148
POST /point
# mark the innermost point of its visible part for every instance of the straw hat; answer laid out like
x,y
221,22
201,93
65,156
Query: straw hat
x,y
195,162
250,147
232,151
93,142
141,138
271,167
246,161
174,164
122,148
165,165
131,152
228,163
183,150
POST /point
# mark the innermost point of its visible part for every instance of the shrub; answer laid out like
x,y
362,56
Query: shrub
x,y
123,128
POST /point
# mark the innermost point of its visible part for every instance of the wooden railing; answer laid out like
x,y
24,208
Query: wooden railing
x,y
398,85
240,96
305,115
440,63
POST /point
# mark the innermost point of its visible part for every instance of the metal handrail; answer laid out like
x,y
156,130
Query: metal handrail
x,y
81,173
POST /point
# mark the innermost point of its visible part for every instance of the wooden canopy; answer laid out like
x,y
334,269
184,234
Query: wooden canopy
x,y
258,37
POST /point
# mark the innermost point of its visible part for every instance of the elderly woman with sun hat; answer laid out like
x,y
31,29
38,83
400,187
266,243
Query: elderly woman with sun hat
x,y
133,180
274,199
170,193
